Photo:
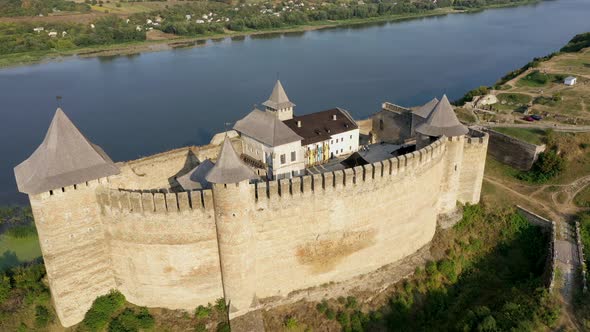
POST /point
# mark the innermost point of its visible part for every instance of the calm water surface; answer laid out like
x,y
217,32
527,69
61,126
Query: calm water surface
x,y
139,105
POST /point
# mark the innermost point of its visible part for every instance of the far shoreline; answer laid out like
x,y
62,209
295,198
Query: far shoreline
x,y
32,58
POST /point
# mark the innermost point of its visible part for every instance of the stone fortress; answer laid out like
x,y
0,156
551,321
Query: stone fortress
x,y
188,226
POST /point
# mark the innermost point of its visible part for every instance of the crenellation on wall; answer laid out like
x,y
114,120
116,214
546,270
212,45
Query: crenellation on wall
x,y
349,177
135,200
307,185
261,190
171,203
124,202
184,205
317,182
148,203
274,191
296,186
160,202
338,179
206,200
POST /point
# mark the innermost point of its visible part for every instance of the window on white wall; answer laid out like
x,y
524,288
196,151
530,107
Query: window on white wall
x,y
293,156
283,159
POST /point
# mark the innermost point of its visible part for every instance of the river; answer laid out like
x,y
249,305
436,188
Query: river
x,y
138,105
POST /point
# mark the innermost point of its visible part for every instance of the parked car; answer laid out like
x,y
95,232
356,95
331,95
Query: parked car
x,y
528,118
536,117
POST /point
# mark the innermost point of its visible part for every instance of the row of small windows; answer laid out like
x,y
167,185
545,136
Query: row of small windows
x,y
339,140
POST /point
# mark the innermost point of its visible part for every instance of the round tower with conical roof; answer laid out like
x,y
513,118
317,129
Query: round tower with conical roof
x,y
233,197
61,178
442,123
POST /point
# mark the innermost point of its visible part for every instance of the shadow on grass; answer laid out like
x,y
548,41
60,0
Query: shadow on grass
x,y
502,290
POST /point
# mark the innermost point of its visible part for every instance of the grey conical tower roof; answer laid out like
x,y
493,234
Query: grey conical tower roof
x,y
229,168
196,178
425,110
278,98
442,121
64,158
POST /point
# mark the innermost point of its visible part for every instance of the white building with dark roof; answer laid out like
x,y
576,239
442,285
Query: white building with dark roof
x,y
268,143
326,134
284,144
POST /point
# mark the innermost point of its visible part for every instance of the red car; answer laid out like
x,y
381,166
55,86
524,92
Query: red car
x,y
528,118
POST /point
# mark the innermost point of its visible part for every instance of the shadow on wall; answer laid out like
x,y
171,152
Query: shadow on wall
x,y
191,162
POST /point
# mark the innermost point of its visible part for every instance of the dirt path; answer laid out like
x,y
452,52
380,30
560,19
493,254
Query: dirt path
x,y
567,260
533,202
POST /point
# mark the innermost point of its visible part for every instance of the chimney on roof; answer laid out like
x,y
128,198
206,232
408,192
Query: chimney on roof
x,y
334,117
298,123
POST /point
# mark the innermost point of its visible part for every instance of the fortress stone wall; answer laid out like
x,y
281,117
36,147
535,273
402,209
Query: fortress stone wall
x,y
253,244
512,151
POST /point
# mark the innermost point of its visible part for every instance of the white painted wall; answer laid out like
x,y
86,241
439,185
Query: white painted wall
x,y
282,113
272,156
344,143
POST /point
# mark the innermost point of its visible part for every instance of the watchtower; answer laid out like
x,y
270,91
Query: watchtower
x,y
233,198
279,104
61,178
442,121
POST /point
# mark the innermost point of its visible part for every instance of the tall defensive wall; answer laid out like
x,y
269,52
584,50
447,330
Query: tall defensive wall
x,y
167,248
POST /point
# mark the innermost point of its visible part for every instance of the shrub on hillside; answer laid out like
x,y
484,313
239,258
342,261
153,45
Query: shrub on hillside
x,y
203,312
221,306
549,165
99,314
131,321
4,288
42,316
291,323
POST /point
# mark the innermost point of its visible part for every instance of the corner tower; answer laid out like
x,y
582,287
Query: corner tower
x,y
442,122
233,198
279,104
61,178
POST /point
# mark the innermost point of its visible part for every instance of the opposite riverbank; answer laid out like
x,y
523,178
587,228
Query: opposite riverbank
x,y
130,48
